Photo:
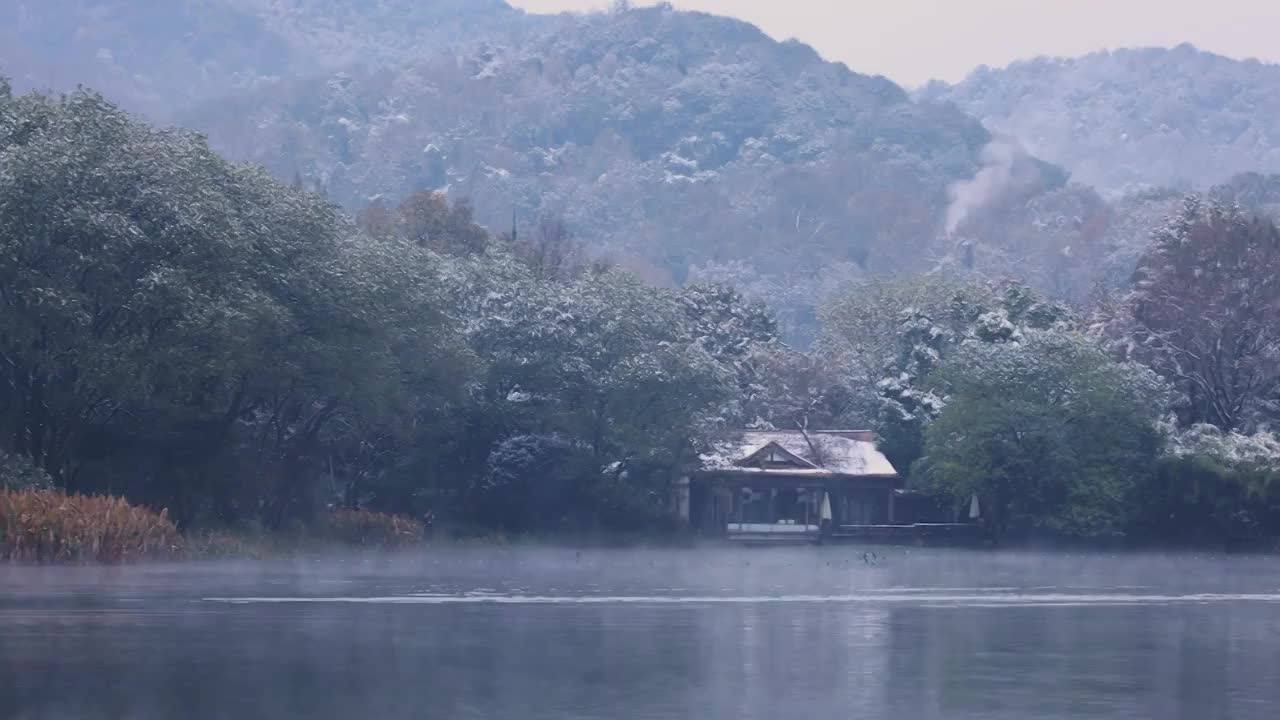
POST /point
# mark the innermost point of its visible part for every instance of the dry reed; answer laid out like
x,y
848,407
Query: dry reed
x,y
51,526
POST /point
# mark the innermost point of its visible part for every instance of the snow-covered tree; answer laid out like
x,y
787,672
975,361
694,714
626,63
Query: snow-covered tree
x,y
1213,488
974,314
1205,314
190,332
1048,431
788,389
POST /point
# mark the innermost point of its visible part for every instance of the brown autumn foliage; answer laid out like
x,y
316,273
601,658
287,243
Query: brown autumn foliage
x,y
51,526
363,528
1205,314
429,220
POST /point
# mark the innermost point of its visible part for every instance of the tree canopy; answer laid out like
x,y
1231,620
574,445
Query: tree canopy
x,y
1205,313
198,336
1047,431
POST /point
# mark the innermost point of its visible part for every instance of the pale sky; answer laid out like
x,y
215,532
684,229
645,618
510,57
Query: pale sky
x,y
911,41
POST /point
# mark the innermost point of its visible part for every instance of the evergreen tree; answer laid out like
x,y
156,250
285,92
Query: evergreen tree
x,y
1047,431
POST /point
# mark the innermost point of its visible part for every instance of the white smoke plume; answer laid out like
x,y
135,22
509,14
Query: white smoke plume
x,y
991,180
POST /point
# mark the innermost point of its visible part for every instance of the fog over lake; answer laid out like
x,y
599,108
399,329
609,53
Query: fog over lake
x,y
716,633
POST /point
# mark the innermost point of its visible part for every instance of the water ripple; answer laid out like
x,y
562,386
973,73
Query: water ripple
x,y
943,598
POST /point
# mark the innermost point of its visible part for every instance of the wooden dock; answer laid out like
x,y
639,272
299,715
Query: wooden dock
x,y
919,534
944,534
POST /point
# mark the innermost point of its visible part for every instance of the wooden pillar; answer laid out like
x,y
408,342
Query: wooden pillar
x,y
892,516
682,499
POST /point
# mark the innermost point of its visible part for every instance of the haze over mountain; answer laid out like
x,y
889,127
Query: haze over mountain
x,y
668,137
683,145
156,56
1175,117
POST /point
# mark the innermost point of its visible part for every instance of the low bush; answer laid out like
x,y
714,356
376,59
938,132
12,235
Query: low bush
x,y
19,473
1203,500
229,545
51,526
363,528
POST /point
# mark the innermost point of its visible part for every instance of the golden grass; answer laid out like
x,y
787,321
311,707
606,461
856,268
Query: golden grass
x,y
363,528
51,526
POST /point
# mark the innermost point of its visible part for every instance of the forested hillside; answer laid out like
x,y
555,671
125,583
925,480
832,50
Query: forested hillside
x,y
1124,119
686,146
157,56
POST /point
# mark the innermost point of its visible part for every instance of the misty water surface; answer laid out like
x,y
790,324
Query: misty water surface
x,y
535,633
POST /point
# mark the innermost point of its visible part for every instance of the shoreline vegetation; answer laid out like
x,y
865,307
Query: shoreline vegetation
x,y
49,526
180,332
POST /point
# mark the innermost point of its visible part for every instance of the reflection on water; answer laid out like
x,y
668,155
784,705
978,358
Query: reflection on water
x,y
796,633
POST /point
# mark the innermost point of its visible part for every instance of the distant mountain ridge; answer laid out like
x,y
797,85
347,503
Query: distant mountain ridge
x,y
683,142
1177,117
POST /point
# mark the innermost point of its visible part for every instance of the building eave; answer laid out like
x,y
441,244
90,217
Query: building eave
x,y
774,474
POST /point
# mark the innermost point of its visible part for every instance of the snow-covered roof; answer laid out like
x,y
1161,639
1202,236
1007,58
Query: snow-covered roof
x,y
829,452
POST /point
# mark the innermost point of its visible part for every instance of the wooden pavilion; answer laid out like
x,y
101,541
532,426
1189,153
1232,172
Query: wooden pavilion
x,y
790,485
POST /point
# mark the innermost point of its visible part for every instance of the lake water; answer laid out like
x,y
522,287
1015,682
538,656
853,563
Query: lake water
x,y
725,633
